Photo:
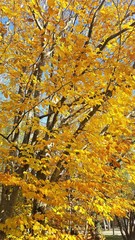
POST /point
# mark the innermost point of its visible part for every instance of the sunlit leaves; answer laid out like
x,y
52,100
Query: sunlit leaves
x,y
66,128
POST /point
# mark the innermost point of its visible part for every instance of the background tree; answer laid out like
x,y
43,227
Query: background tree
x,y
67,86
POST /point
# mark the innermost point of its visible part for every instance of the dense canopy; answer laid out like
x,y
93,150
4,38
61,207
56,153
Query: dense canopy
x,y
66,115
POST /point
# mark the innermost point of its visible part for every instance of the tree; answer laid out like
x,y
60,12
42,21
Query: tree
x,y
67,82
126,225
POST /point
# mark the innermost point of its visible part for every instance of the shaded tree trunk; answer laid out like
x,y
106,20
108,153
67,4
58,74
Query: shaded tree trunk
x,y
126,226
2,235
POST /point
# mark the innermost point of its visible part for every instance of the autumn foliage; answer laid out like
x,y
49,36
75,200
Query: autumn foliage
x,y
66,115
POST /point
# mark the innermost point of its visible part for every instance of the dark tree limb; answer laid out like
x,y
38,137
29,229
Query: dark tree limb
x,y
101,46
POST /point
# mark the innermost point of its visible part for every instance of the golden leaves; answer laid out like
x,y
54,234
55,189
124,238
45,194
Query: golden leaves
x,y
51,3
67,138
7,11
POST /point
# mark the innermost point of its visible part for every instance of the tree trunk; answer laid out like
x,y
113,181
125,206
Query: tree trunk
x,y
2,235
126,226
8,199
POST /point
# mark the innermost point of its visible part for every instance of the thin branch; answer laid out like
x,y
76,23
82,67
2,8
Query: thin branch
x,y
127,37
92,22
35,105
16,125
73,114
102,46
36,21
128,14
46,115
2,135
86,119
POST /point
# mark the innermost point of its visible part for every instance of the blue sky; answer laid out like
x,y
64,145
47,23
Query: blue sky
x,y
5,20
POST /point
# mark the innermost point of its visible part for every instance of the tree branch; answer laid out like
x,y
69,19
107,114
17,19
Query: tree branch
x,y
92,22
101,46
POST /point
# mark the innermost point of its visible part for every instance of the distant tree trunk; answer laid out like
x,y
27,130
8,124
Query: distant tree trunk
x,y
127,226
94,233
97,230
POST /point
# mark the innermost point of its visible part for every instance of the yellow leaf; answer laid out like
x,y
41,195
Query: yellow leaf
x,y
51,3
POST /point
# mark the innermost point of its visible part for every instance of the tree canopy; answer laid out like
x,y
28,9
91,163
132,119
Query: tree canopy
x,y
66,115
